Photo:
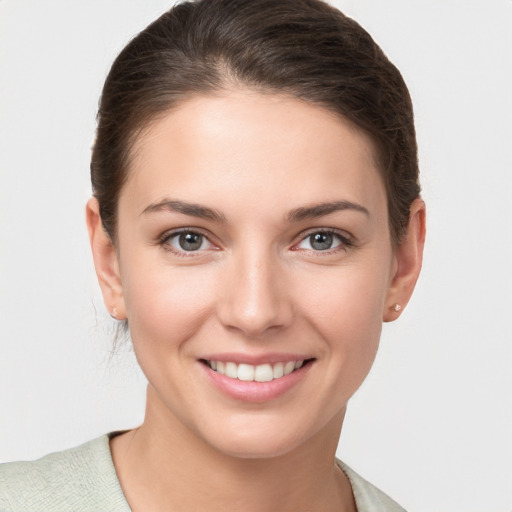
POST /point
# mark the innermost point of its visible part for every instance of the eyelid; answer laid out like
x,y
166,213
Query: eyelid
x,y
346,238
167,235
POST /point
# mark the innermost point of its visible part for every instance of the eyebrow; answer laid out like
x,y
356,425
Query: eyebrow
x,y
321,209
192,209
296,215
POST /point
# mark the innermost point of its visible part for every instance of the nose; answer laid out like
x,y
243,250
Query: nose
x,y
255,298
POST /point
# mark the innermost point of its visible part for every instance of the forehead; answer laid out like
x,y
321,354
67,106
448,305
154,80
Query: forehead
x,y
242,140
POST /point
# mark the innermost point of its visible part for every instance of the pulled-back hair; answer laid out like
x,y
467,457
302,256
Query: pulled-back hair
x,y
303,48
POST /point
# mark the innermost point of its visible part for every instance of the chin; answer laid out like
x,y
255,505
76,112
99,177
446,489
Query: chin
x,y
257,439
244,449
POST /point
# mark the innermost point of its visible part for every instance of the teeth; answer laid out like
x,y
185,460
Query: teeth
x,y
249,373
245,372
289,367
263,373
231,370
278,370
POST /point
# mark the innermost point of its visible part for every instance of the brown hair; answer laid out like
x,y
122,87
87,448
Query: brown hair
x,y
303,48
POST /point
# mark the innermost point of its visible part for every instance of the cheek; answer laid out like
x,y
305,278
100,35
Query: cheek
x,y
348,296
345,308
165,306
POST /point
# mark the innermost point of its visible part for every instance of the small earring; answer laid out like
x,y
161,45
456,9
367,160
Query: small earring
x,y
114,313
396,307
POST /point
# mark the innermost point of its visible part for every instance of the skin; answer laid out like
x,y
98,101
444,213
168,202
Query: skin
x,y
256,286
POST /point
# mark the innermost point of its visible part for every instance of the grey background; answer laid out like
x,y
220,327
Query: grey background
x,y
432,423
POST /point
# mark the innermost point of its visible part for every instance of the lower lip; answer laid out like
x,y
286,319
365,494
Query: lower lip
x,y
256,391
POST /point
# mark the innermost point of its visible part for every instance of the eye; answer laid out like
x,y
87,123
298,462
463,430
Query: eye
x,y
323,241
187,241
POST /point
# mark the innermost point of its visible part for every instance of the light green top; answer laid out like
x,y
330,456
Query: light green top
x,y
84,479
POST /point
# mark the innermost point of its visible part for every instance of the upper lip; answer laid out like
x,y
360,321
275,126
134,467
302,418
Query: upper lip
x,y
256,359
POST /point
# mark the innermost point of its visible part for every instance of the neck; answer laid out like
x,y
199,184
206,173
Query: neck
x,y
162,465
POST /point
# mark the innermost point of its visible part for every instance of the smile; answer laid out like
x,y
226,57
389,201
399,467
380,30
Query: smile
x,y
250,373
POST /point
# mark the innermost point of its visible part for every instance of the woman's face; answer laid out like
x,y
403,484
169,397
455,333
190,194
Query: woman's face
x,y
253,237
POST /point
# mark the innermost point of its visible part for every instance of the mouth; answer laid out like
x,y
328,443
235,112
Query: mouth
x,y
255,373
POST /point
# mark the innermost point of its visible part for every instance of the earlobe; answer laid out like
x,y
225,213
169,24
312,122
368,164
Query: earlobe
x,y
409,258
106,261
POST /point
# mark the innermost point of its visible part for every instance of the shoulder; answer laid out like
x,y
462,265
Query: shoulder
x,y
81,478
368,498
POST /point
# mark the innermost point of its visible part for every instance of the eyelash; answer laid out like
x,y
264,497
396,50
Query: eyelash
x,y
164,239
346,242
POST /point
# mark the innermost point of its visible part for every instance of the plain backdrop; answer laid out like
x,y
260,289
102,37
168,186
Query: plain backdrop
x,y
432,425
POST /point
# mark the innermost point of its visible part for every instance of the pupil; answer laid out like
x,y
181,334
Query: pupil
x,y
321,241
190,241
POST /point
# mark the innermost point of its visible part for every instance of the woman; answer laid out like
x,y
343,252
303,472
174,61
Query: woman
x,y
256,217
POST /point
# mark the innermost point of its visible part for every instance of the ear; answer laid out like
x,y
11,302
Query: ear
x,y
106,261
408,260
